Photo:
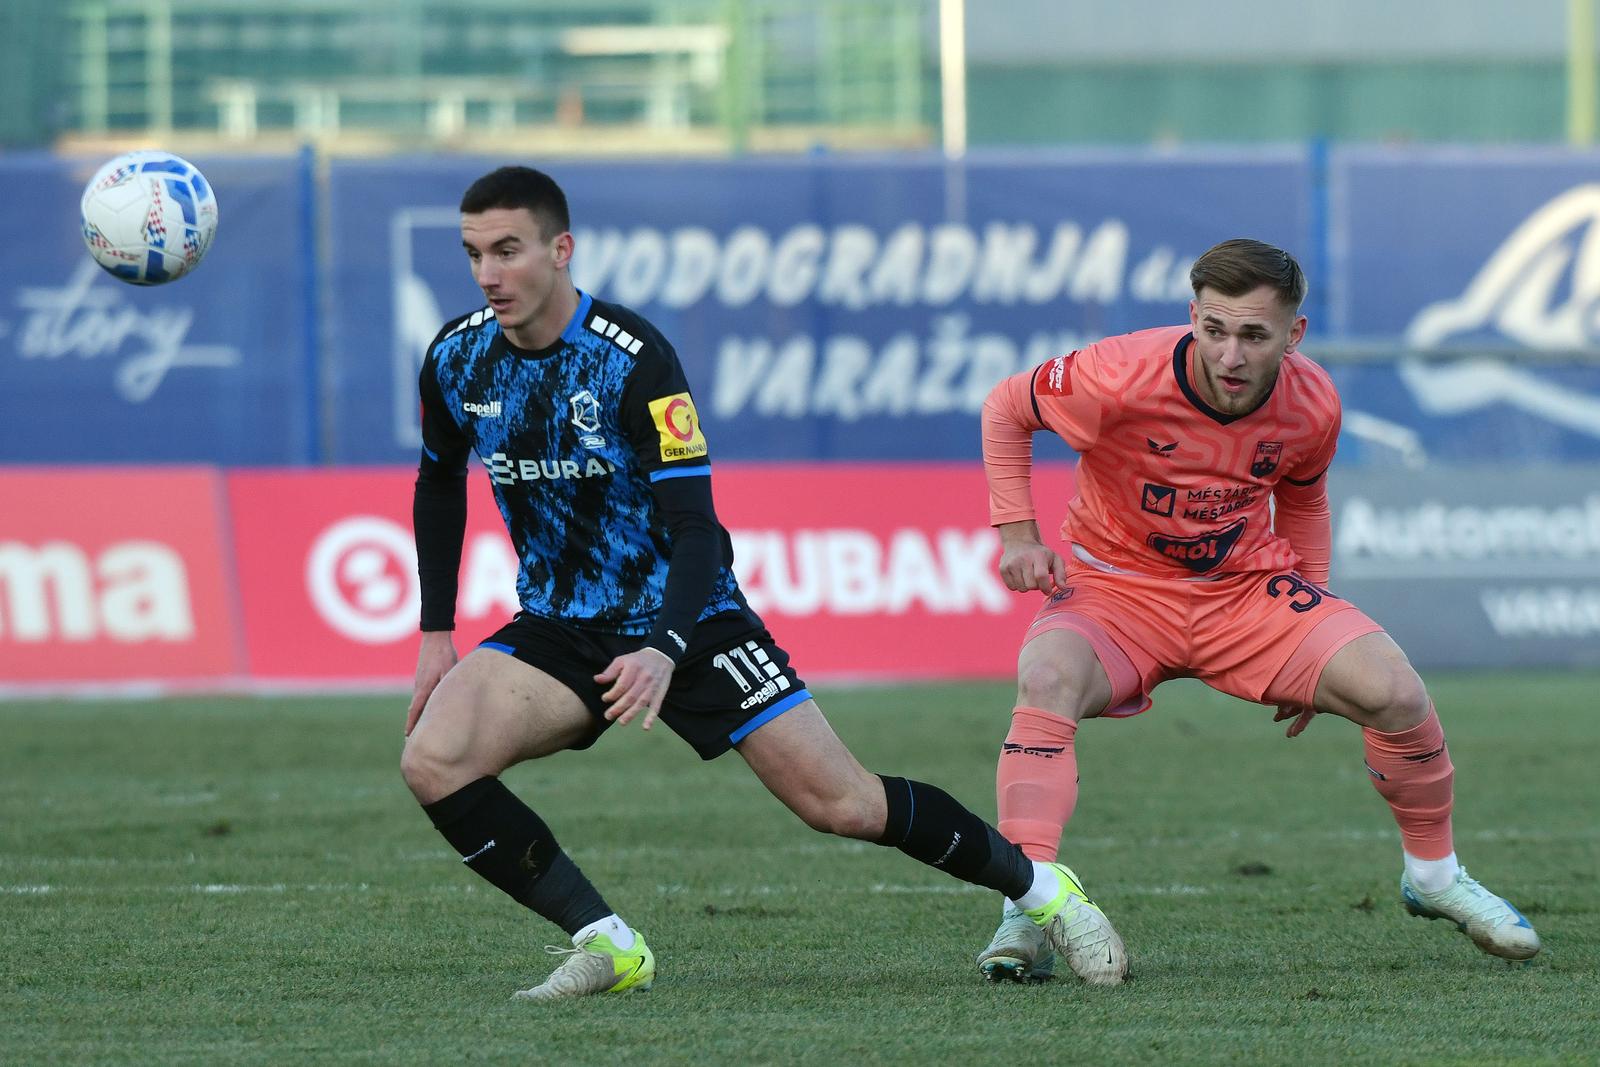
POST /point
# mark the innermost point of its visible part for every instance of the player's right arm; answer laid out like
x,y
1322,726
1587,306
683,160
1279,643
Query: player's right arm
x,y
1052,396
439,523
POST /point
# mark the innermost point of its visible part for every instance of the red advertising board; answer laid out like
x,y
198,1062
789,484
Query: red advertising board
x,y
859,570
114,575
328,572
880,570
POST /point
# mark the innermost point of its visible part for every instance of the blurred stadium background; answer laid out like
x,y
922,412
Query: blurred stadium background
x,y
851,218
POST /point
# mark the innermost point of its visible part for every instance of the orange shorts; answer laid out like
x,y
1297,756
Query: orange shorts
x,y
1261,636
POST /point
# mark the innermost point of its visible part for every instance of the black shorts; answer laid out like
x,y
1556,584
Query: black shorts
x,y
732,678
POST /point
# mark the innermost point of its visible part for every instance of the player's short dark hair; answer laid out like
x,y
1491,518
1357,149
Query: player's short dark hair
x,y
524,187
1236,267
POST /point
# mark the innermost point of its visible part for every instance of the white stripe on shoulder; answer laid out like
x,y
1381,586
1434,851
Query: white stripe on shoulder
x,y
477,318
616,335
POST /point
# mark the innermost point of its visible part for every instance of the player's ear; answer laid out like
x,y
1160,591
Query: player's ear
x,y
562,248
1297,332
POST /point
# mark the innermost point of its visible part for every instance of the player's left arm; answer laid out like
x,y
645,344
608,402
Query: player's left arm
x,y
1301,514
664,428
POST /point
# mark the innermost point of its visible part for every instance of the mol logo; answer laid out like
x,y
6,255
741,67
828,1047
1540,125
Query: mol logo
x,y
1199,554
130,592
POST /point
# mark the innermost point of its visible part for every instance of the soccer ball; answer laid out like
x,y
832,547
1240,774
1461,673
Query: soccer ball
x,y
148,217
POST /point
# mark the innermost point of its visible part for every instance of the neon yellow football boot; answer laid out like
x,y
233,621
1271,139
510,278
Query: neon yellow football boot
x,y
596,966
1080,933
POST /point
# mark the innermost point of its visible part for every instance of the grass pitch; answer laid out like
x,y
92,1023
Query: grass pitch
x,y
247,881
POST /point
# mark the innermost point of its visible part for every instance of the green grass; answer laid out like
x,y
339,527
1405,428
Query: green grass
x,y
247,881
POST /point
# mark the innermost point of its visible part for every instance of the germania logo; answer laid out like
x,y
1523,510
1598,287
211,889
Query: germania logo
x,y
678,425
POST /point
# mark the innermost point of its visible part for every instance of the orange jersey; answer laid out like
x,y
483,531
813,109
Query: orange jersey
x,y
1167,485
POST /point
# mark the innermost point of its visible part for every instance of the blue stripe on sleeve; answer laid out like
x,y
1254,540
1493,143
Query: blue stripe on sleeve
x,y
680,472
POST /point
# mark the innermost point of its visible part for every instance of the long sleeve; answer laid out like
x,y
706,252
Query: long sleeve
x,y
1009,423
698,552
1301,514
1303,518
439,503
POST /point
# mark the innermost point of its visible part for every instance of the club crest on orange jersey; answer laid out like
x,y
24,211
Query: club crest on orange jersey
x,y
1055,377
1267,455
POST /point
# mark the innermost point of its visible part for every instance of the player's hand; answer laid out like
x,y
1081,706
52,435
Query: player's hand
x,y
434,660
1031,565
1301,716
640,681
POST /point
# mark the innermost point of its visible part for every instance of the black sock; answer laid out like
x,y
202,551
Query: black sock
x,y
928,824
502,840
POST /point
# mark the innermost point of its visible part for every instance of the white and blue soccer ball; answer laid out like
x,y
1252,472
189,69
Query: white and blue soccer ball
x,y
148,217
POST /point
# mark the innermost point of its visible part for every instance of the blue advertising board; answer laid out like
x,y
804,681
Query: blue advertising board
x,y
823,308
1483,252
210,368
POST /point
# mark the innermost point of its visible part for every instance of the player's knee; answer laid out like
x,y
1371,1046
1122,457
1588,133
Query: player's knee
x,y
1045,684
1400,701
854,814
427,767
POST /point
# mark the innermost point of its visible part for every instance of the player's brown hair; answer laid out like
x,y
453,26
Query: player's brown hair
x,y
1234,268
524,187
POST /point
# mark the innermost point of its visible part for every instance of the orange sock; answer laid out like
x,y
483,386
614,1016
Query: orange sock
x,y
1413,772
1036,783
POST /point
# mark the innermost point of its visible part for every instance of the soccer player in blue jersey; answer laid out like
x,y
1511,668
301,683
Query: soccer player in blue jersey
x,y
580,412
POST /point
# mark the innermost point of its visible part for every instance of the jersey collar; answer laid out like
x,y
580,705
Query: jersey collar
x,y
1180,370
575,325
569,334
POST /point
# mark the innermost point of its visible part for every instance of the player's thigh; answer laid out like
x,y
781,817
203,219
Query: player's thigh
x,y
1101,644
803,763
1369,681
1268,637
493,710
1059,671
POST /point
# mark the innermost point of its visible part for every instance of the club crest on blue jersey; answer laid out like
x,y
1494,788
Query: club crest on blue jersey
x,y
586,417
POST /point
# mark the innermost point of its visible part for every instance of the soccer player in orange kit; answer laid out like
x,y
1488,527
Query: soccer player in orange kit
x,y
1199,544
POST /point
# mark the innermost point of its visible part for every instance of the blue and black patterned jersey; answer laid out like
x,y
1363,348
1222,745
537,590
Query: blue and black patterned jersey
x,y
573,438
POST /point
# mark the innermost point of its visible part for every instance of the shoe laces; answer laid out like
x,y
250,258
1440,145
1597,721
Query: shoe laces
x,y
1469,894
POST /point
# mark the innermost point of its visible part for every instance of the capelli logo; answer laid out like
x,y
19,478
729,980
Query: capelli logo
x,y
491,410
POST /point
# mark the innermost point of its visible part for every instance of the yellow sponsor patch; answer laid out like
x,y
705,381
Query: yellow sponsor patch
x,y
679,426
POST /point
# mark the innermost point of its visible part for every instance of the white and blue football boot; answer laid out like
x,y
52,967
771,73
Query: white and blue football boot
x,y
1492,923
